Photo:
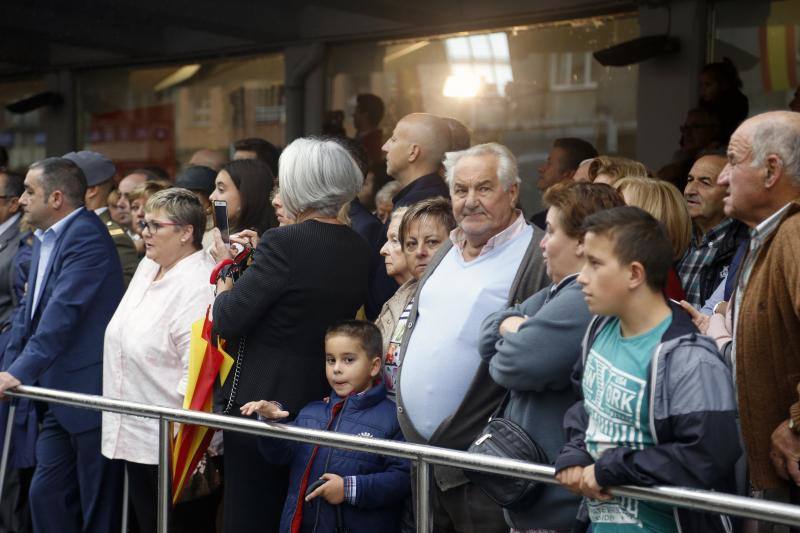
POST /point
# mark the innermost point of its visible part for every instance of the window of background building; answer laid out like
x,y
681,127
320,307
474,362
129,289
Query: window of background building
x,y
159,116
522,86
761,39
22,135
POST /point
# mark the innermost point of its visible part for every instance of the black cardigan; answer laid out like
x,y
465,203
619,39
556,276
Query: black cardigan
x,y
303,278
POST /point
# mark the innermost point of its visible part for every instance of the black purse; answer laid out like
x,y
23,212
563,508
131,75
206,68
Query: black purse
x,y
504,438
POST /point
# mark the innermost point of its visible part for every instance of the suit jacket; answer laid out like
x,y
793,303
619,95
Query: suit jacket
x,y
9,244
61,346
125,247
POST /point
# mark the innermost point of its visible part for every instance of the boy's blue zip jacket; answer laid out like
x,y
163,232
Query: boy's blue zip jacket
x,y
382,483
692,419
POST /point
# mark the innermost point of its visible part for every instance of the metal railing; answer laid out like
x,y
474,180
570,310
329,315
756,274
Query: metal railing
x,y
424,457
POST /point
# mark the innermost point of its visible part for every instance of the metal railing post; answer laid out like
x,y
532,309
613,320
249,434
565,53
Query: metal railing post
x,y
125,502
12,410
423,506
164,448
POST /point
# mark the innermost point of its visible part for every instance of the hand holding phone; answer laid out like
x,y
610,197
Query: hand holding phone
x,y
221,219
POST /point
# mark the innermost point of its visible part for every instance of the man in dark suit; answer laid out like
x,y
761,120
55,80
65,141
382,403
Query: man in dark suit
x,y
99,172
74,287
10,191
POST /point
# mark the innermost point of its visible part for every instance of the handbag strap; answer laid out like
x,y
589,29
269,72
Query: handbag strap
x,y
498,413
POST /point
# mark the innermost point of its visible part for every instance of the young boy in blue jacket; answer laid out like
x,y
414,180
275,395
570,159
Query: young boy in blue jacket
x,y
657,405
368,489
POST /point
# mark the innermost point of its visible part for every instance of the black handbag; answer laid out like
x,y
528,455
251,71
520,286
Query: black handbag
x,y
504,438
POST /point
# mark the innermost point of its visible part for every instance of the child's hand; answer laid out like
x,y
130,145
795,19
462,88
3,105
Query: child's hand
x,y
589,486
269,410
332,491
571,478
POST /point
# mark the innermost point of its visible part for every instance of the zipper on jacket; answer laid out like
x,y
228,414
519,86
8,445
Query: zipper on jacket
x,y
328,459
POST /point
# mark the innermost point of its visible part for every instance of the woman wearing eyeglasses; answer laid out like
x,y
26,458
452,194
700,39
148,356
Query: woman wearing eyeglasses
x,y
146,350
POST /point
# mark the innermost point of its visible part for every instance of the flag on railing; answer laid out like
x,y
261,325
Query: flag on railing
x,y
207,361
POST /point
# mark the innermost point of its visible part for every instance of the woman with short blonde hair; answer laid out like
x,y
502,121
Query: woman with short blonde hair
x,y
146,346
666,203
608,169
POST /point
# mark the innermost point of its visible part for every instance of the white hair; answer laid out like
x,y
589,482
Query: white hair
x,y
507,171
387,192
317,174
781,138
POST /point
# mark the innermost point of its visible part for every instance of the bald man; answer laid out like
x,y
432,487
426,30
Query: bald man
x,y
414,156
762,177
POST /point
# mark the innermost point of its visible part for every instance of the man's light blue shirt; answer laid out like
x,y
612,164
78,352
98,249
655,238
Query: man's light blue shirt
x,y
48,238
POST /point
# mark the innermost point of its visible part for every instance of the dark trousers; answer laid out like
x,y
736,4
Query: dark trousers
x,y
254,490
465,509
195,516
15,516
74,488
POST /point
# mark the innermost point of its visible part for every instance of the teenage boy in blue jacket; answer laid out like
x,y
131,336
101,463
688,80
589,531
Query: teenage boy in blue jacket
x,y
657,405
368,489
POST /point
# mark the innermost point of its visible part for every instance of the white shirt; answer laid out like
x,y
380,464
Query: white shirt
x,y
146,350
48,239
442,355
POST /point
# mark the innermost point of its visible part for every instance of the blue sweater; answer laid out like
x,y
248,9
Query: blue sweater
x,y
382,483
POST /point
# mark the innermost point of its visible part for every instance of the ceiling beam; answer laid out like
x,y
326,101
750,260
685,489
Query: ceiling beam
x,y
260,22
88,28
405,14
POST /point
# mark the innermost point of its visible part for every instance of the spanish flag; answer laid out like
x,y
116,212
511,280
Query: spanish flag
x,y
207,362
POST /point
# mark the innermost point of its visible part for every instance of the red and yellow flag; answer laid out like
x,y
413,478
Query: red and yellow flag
x,y
207,361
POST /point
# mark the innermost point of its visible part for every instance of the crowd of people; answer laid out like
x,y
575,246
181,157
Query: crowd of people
x,y
644,329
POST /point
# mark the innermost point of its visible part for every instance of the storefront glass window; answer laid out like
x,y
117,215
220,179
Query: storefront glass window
x,y
522,86
761,39
159,116
22,134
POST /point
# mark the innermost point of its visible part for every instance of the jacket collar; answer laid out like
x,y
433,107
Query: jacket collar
x,y
680,326
423,182
365,400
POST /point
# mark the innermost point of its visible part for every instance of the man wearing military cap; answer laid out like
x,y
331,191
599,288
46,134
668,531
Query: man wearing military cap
x,y
99,172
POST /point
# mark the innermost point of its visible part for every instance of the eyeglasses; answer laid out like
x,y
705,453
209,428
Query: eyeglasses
x,y
153,226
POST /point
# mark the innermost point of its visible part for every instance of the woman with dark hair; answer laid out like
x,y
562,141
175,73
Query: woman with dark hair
x,y
245,184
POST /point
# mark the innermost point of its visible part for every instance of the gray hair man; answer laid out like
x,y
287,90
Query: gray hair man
x,y
763,180
492,260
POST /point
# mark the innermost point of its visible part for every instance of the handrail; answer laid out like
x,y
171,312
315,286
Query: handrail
x,y
424,455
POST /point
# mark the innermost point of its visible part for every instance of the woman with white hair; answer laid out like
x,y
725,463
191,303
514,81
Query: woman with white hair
x,y
304,277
